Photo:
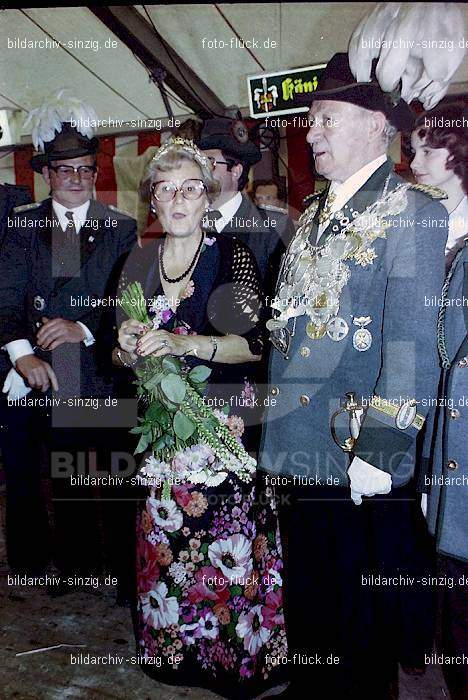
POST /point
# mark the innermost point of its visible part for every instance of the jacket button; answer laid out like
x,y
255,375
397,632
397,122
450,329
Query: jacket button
x,y
454,414
452,464
305,351
274,391
304,400
463,362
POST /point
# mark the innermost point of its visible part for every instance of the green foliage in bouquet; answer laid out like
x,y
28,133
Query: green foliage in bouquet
x,y
176,416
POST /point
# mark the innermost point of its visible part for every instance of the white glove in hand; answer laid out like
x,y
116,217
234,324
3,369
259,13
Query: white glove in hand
x,y
14,386
424,504
367,480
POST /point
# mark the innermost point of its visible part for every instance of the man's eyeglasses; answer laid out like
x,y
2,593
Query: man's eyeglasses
x,y
86,172
215,162
164,191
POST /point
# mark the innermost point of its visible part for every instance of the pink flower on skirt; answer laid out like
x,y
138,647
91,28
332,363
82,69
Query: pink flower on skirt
x,y
272,611
182,494
147,566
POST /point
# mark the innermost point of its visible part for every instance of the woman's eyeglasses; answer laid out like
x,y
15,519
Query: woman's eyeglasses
x,y
86,172
164,191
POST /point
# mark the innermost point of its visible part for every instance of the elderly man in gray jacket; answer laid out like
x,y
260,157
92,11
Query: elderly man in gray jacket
x,y
353,317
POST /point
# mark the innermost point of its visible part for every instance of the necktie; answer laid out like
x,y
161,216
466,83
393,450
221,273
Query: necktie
x,y
210,219
70,232
67,249
326,213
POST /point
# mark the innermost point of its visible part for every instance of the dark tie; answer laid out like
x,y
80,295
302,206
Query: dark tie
x,y
66,246
209,220
70,232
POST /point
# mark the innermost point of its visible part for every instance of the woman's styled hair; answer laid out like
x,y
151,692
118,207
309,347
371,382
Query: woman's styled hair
x,y
175,153
446,126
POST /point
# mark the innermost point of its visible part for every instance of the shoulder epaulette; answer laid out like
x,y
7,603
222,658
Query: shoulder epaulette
x,y
119,211
430,190
271,207
311,198
15,188
26,207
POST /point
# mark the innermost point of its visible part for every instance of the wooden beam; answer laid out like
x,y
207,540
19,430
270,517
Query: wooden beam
x,y
146,43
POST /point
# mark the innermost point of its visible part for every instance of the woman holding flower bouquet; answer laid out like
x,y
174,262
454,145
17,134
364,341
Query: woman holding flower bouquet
x,y
208,548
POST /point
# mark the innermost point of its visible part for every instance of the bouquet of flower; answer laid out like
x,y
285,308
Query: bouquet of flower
x,y
186,439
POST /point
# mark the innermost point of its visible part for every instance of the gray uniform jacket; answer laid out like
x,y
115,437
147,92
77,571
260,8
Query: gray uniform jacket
x,y
392,295
447,512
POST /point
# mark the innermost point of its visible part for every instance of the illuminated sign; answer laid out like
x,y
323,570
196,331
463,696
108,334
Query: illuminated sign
x,y
276,93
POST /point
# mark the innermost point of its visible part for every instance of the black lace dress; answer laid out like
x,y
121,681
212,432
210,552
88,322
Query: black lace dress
x,y
209,560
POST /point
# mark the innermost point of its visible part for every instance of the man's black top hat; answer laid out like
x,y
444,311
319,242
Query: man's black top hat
x,y
338,83
229,135
69,143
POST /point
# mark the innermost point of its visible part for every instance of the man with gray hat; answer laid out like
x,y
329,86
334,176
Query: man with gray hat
x,y
354,363
56,268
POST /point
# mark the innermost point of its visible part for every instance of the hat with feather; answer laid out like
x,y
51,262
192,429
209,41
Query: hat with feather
x,y
61,129
399,52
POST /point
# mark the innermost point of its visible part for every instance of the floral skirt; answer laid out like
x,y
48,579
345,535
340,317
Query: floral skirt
x,y
210,598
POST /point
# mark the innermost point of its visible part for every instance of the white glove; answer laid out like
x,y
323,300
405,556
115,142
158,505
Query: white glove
x,y
424,504
14,386
367,480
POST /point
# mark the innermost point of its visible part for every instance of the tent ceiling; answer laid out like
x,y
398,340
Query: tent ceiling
x,y
116,83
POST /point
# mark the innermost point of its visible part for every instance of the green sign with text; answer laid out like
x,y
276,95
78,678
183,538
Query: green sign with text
x,y
275,93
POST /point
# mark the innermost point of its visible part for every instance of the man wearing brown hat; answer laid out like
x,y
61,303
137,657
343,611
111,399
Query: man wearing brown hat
x,y
354,366
56,270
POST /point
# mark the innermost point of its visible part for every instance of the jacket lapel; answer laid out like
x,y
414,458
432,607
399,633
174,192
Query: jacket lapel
x,y
45,233
241,213
316,220
370,191
465,292
91,237
455,323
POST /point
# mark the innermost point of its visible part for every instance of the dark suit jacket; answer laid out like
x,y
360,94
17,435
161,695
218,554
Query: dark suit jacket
x,y
267,232
10,196
30,288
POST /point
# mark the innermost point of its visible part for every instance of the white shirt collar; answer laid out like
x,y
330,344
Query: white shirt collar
x,y
79,214
458,225
227,211
343,191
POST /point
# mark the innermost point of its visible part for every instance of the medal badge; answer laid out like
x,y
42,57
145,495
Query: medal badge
x,y
337,328
312,277
39,303
315,331
362,338
406,415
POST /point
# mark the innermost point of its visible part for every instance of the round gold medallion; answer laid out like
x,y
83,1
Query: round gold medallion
x,y
314,331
